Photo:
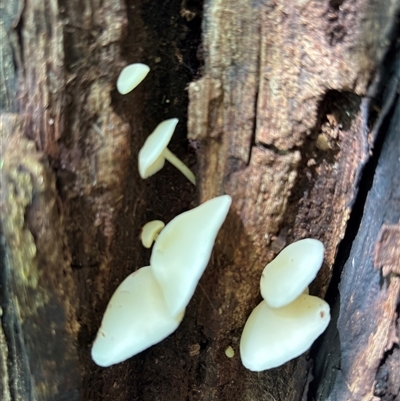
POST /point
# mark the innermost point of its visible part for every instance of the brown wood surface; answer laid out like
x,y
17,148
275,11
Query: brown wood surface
x,y
367,330
277,101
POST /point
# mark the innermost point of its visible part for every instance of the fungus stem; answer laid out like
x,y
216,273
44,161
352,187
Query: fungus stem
x,y
179,165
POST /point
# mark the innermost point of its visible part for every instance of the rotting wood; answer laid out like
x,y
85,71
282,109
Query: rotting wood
x,y
9,18
5,393
71,55
387,250
291,77
39,309
277,122
368,321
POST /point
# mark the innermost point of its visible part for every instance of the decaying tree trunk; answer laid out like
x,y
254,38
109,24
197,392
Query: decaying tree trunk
x,y
290,107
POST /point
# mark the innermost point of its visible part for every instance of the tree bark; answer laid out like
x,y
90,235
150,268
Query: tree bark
x,y
291,108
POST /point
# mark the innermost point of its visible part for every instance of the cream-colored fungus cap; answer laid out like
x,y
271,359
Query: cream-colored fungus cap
x,y
274,336
183,249
131,76
154,152
135,319
230,352
150,232
288,275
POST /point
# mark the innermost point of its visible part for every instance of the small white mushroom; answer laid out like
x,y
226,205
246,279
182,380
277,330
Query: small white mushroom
x,y
150,232
183,249
288,275
229,352
274,336
154,152
131,76
135,319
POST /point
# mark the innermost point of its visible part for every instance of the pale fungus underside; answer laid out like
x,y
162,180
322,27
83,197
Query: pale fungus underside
x,y
274,336
130,77
150,232
288,320
289,274
183,249
135,319
154,152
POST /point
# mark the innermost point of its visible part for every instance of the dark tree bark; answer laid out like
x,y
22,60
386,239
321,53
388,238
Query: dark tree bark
x,y
291,108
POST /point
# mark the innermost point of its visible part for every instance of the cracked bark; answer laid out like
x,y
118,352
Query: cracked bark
x,y
294,112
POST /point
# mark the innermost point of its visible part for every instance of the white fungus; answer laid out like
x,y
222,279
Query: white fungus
x,y
136,318
288,275
229,352
154,152
274,336
150,232
131,76
183,249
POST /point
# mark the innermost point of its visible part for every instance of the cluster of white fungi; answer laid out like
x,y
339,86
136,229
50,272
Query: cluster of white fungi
x,y
150,303
288,320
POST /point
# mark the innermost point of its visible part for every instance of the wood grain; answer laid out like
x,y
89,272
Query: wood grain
x,y
280,117
39,304
369,292
284,131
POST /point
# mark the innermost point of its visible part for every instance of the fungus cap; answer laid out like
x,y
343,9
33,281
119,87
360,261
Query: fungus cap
x,y
274,336
131,76
183,249
135,319
230,352
149,155
288,275
153,153
150,232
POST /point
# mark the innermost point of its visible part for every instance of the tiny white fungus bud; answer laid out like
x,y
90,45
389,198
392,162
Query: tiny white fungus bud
x,y
131,76
154,152
229,352
288,275
150,232
274,336
136,318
